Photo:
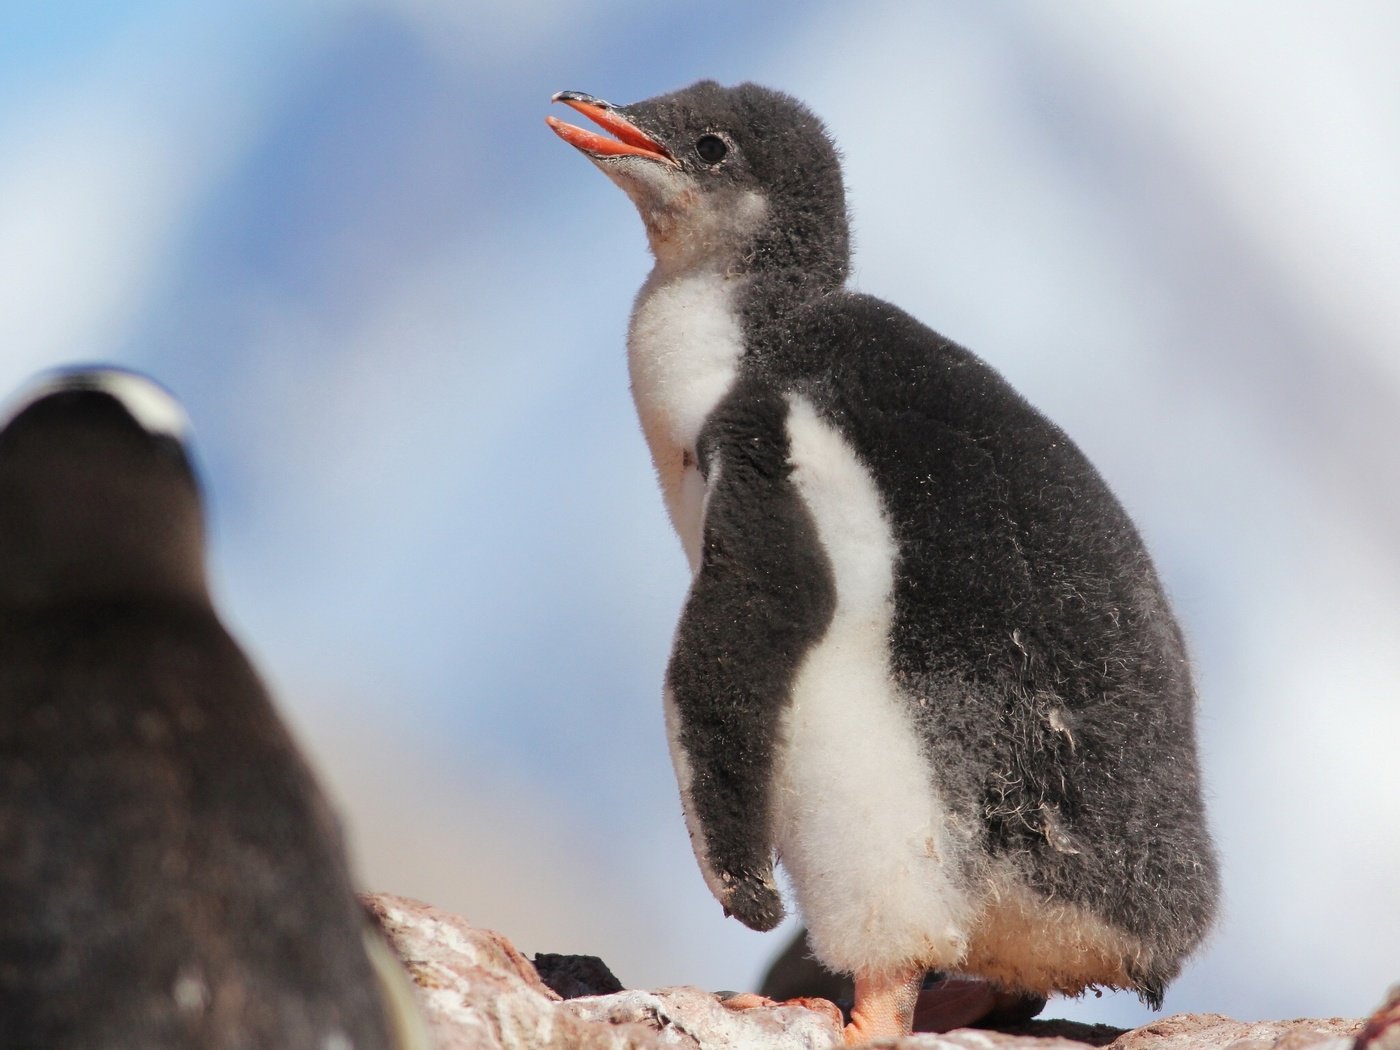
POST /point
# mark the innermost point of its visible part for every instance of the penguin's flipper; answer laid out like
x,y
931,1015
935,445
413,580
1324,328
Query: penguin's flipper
x,y
761,597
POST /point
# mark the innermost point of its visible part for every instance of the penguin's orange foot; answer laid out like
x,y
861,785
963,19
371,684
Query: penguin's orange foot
x,y
958,1002
884,1006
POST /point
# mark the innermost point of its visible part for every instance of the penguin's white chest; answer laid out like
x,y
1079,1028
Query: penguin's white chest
x,y
683,352
858,821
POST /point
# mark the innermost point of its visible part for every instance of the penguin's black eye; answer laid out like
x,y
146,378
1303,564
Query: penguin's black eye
x,y
711,148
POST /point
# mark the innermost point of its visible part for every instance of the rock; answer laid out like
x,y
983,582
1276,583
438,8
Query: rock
x,y
691,1018
573,976
1217,1032
977,1039
1089,1034
1382,1029
1178,1032
479,993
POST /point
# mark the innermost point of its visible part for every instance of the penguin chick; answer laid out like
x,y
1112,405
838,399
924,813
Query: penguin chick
x,y
170,875
925,659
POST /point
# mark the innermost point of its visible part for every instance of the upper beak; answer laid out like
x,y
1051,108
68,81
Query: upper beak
x,y
631,140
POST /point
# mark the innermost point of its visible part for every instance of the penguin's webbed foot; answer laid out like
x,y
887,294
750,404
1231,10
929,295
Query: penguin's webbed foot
x,y
894,1005
884,1005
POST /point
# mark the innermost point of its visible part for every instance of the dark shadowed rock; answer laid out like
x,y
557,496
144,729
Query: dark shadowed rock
x,y
1074,1031
574,976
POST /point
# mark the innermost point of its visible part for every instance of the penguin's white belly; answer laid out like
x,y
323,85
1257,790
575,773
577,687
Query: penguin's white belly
x,y
858,822
683,352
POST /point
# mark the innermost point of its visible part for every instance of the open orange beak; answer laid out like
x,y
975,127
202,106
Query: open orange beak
x,y
630,140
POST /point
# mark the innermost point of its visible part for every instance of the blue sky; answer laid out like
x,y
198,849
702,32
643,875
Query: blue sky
x,y
394,305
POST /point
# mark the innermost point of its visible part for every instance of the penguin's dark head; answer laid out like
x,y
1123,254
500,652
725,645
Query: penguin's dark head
x,y
745,178
98,499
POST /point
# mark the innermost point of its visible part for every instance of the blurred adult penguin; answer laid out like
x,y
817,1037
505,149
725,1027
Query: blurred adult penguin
x,y
170,873
925,658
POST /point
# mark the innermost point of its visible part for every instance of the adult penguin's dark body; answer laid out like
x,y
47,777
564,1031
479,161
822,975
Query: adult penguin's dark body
x,y
925,659
170,875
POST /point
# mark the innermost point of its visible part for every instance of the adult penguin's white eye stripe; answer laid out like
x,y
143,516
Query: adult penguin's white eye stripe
x,y
153,408
148,402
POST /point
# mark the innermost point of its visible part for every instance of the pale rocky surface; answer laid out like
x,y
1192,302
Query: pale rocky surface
x,y
479,993
1382,1029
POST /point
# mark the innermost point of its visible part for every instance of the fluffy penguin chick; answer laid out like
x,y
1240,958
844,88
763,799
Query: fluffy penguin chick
x,y
170,875
925,659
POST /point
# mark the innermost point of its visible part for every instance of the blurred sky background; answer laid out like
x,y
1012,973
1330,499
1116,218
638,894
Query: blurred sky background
x,y
395,306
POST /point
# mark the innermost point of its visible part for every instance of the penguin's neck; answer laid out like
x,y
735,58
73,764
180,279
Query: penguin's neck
x,y
683,351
